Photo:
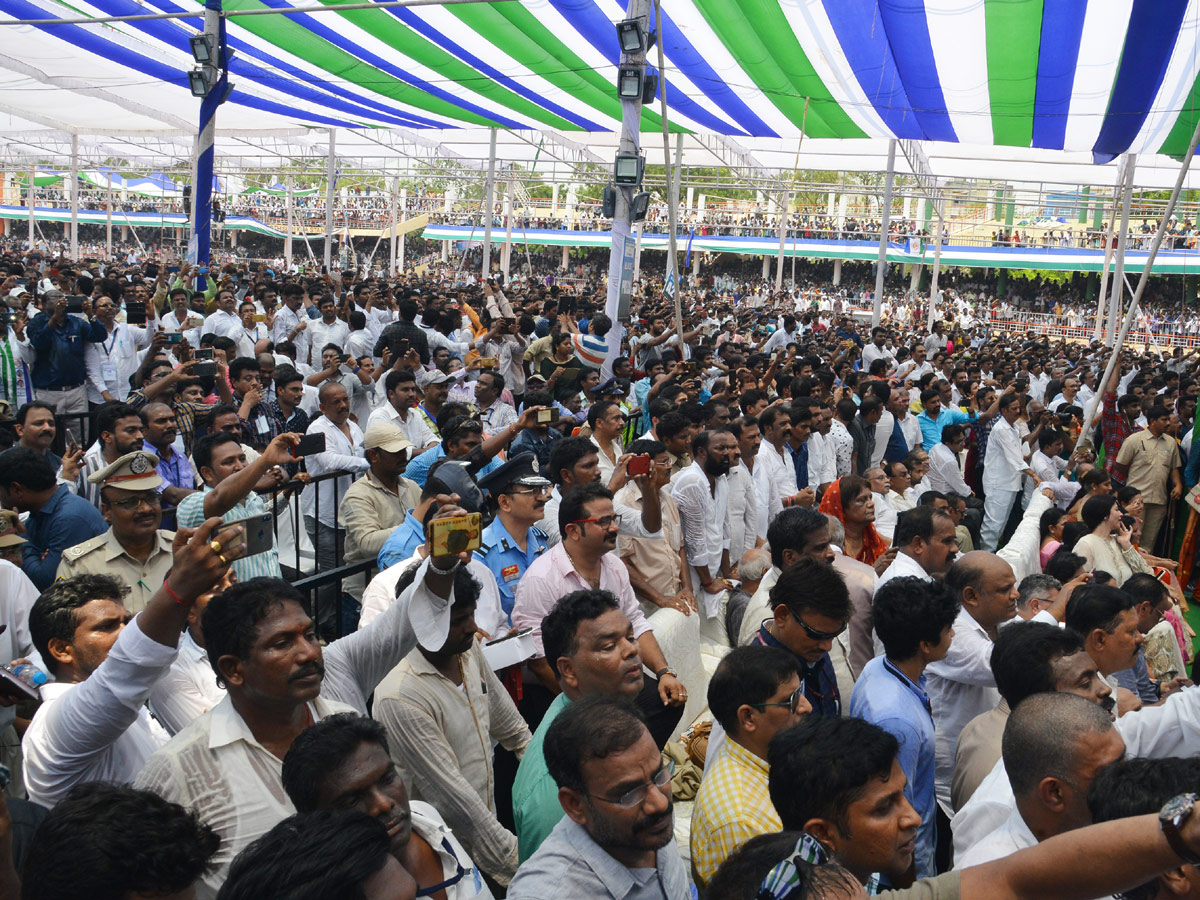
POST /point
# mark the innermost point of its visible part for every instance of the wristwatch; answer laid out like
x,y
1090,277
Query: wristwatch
x,y
1173,814
670,670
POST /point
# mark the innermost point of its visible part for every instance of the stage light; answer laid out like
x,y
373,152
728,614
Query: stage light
x,y
202,48
649,88
198,82
631,36
628,169
639,207
629,82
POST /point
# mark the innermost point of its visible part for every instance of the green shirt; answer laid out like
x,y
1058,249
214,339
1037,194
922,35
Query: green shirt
x,y
536,809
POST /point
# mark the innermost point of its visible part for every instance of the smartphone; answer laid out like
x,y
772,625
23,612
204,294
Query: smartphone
x,y
172,337
75,303
172,270
21,282
547,416
207,369
8,317
204,353
203,270
260,537
135,312
260,317
639,465
309,444
455,534
403,345
487,362
509,637
12,685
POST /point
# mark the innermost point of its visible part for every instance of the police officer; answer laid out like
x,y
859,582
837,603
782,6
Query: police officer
x,y
11,539
134,548
518,493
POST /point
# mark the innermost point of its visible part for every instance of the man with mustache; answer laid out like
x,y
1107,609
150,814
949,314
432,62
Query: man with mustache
x,y
134,548
512,542
343,763
263,648
160,428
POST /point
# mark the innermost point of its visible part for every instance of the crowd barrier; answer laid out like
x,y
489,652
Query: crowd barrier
x,y
1083,334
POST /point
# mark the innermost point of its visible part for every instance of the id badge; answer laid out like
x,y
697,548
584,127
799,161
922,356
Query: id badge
x,y
108,371
262,426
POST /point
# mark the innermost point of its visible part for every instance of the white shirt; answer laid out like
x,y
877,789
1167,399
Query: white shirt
x,y
960,687
223,324
1004,461
822,465
249,337
321,333
944,472
1004,840
774,479
111,362
341,454
190,326
743,512
188,689
779,339
871,353
911,429
418,433
98,729
1052,469
885,516
240,793
17,595
883,434
704,519
285,322
629,520
380,595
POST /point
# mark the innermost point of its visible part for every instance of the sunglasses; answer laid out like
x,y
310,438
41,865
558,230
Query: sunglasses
x,y
817,635
792,702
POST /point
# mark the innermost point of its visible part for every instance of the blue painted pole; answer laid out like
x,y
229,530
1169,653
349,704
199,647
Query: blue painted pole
x,y
200,246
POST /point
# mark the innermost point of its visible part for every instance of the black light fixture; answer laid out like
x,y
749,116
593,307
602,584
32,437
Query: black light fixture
x,y
202,48
649,88
631,36
608,205
628,169
198,83
639,207
629,82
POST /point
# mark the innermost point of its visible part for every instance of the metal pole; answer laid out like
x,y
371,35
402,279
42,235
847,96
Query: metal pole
x,y
199,245
1089,416
884,225
784,199
287,241
394,220
32,179
1117,296
622,224
933,281
489,204
400,237
1102,304
330,179
74,197
108,220
508,217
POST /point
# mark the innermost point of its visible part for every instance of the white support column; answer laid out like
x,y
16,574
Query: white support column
x,y
394,219
1117,294
508,223
554,199
287,241
1109,246
108,220
934,296
330,178
489,205
74,197
637,252
32,179
400,238
766,272
837,272
885,220
565,255
783,229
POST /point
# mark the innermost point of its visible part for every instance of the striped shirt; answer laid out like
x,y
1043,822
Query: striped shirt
x,y
191,515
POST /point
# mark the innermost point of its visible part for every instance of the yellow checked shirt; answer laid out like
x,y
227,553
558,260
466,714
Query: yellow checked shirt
x,y
733,805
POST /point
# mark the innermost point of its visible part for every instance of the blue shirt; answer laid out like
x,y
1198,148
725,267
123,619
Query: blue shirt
x,y
1137,680
498,550
418,468
897,447
931,429
817,678
64,520
884,696
537,444
59,363
402,542
800,464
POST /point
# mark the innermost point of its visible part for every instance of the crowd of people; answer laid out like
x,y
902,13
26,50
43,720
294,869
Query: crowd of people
x,y
386,586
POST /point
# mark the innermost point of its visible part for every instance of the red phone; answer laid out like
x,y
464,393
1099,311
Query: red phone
x,y
639,465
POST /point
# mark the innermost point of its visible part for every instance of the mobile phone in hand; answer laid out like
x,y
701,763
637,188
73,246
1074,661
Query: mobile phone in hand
x,y
309,444
639,465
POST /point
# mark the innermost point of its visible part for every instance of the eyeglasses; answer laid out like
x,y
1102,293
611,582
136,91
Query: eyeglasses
x,y
792,702
817,635
603,521
634,797
153,502
540,491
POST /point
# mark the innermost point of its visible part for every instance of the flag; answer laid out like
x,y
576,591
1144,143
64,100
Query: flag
x,y
687,261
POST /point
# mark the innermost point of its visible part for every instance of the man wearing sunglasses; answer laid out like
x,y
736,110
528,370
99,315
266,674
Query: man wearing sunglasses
x,y
134,548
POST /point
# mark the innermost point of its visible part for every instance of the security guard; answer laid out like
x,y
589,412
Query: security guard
x,y
518,494
134,548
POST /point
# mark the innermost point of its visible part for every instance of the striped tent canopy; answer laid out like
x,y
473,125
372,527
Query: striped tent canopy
x,y
1097,77
278,189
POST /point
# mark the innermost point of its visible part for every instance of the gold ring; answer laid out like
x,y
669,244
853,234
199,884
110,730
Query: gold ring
x,y
216,547
223,560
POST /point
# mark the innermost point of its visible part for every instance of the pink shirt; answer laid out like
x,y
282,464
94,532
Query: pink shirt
x,y
553,575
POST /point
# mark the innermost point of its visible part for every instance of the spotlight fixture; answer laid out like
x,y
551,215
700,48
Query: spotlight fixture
x,y
649,88
629,82
608,205
631,36
202,48
198,82
627,170
639,207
